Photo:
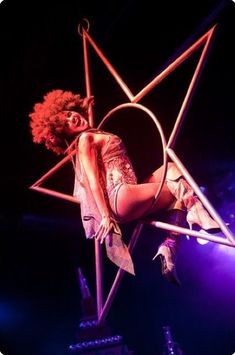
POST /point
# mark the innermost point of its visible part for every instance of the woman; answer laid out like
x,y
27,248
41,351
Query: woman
x,y
106,184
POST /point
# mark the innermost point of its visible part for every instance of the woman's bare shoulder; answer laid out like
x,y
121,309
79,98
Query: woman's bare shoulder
x,y
85,140
86,136
92,138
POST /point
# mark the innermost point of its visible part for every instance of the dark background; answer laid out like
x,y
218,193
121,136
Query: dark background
x,y
42,241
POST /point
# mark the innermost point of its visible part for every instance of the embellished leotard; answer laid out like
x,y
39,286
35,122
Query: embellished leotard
x,y
118,169
115,169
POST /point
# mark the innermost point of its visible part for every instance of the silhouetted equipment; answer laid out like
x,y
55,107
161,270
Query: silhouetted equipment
x,y
88,302
94,338
170,347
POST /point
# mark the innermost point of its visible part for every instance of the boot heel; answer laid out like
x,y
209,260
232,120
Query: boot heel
x,y
167,264
167,251
190,225
156,255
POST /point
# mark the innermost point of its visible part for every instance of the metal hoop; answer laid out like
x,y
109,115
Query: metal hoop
x,y
84,24
159,128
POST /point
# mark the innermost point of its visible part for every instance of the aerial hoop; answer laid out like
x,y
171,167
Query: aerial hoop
x,y
83,25
159,128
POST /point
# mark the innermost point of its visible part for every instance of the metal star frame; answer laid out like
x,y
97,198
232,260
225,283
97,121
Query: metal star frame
x,y
203,42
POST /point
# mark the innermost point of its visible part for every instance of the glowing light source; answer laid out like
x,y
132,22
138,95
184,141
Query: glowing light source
x,y
202,241
199,240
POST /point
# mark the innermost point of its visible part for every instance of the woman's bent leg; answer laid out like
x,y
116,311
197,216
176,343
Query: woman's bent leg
x,y
168,250
136,201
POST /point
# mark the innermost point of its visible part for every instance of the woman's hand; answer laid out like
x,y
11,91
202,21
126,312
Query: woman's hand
x,y
107,226
88,152
87,101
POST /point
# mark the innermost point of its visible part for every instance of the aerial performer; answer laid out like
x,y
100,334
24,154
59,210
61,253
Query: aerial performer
x,y
106,184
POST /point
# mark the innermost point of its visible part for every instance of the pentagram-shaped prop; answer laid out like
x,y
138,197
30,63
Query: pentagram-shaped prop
x,y
203,42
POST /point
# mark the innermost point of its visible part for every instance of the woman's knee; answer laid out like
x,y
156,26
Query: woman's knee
x,y
173,172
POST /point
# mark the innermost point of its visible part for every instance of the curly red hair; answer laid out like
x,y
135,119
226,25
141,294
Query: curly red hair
x,y
48,125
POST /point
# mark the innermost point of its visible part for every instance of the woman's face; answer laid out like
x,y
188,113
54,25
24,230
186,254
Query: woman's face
x,y
75,122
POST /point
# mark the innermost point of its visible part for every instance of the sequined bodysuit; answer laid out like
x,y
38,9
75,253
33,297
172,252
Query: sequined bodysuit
x,y
115,169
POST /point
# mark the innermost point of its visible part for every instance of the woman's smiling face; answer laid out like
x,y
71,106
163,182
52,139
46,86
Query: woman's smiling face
x,y
75,122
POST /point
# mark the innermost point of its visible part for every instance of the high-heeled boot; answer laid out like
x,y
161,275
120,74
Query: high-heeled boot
x,y
167,251
196,213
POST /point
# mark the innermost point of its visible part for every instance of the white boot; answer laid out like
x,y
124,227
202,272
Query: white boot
x,y
196,213
169,248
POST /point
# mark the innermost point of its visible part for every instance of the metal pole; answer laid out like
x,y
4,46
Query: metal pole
x,y
87,77
119,275
170,68
116,76
201,196
190,91
192,233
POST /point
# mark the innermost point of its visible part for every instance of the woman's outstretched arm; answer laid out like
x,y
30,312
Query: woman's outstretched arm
x,y
88,157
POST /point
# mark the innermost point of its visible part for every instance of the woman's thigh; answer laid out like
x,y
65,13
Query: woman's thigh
x,y
173,173
137,201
